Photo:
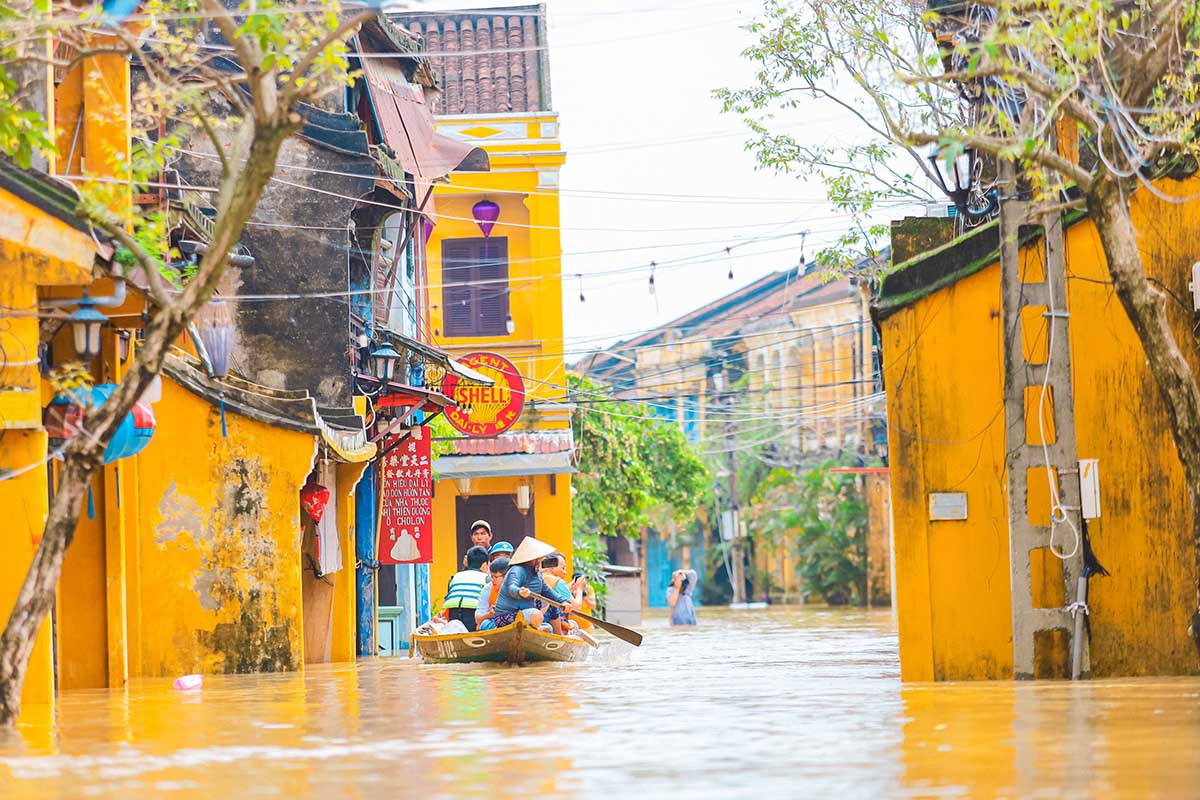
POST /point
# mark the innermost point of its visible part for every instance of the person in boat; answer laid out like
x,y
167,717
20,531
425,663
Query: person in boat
x,y
523,580
679,597
584,597
500,550
554,576
462,594
481,536
485,611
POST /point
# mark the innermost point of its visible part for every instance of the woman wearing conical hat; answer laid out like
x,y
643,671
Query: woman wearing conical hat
x,y
522,580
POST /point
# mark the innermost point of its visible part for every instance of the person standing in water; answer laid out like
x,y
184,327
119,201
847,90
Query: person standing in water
x,y
679,597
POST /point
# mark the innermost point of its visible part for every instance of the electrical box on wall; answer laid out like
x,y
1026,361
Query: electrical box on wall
x,y
1089,487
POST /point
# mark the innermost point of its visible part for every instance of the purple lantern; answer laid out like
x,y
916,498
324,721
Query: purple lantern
x,y
426,229
486,213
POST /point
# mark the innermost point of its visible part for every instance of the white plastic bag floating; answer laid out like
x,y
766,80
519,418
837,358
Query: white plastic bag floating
x,y
453,626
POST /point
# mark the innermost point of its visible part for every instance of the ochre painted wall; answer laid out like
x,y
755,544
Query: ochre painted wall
x,y
943,370
220,549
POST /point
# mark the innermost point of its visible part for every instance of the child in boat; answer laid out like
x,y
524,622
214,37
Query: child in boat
x,y
462,594
554,575
521,582
500,550
484,612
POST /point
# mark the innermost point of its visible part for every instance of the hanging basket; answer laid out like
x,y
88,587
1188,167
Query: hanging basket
x,y
313,499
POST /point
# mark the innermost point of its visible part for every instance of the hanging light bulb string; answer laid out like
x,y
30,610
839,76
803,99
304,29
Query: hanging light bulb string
x,y
729,257
579,275
653,293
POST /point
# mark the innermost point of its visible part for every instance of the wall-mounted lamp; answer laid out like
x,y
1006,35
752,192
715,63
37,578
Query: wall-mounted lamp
x,y
86,323
464,487
485,213
383,362
524,496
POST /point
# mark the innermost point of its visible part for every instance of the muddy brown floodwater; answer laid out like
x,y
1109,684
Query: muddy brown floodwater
x,y
802,702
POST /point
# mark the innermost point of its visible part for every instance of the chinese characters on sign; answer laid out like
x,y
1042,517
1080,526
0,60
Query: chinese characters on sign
x,y
485,410
406,501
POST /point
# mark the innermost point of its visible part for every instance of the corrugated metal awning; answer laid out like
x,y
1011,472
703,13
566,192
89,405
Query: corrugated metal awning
x,y
406,122
452,467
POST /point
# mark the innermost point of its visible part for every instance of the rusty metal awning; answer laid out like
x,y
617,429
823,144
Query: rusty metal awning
x,y
406,122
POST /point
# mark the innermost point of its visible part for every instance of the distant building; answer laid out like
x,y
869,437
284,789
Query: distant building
x,y
788,362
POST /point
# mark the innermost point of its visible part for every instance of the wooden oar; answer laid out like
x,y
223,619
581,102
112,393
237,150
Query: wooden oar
x,y
624,634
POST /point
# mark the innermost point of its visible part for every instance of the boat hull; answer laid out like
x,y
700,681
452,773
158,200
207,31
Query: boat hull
x,y
514,644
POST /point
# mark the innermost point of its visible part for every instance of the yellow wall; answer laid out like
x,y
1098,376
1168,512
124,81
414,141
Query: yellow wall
x,y
220,547
943,372
523,182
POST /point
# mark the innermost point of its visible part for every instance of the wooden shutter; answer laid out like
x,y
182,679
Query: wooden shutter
x,y
475,286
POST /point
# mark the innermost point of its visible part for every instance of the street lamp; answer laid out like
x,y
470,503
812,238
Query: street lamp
x,y
86,323
955,174
383,362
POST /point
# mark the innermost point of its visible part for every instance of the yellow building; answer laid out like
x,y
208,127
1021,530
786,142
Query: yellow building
x,y
940,318
787,361
500,291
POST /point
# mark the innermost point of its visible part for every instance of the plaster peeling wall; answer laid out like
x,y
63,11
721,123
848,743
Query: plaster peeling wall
x,y
221,570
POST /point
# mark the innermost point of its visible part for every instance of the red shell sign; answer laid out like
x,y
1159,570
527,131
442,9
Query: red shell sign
x,y
485,410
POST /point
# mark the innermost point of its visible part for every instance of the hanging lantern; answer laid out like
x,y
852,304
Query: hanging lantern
x,y
464,487
486,213
524,497
426,229
86,323
313,499
217,337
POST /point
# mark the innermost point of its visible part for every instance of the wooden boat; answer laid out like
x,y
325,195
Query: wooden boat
x,y
517,643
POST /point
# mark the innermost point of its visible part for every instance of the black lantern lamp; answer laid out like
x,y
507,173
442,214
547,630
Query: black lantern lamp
x,y
383,362
86,323
956,177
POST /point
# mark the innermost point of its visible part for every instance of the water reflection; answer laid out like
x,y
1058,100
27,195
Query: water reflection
x,y
802,702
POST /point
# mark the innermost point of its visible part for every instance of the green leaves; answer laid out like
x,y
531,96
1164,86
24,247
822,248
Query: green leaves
x,y
628,466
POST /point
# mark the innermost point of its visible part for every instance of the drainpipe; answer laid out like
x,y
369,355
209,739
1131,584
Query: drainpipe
x,y
113,300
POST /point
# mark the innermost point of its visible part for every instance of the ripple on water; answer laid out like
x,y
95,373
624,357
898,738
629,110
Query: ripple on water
x,y
798,702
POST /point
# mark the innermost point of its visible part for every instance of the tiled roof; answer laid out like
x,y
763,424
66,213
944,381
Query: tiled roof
x,y
503,68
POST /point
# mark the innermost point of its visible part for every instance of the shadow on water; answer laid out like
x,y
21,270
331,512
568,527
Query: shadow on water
x,y
795,702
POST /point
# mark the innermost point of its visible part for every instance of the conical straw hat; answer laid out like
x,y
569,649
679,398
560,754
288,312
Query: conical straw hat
x,y
530,549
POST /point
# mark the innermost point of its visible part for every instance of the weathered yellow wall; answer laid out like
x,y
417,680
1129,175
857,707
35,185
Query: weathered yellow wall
x,y
220,549
551,522
943,370
24,499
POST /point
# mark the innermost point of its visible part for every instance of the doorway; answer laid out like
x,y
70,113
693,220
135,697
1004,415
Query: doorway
x,y
397,606
500,510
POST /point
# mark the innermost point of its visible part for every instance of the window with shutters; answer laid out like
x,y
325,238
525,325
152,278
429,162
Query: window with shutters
x,y
475,286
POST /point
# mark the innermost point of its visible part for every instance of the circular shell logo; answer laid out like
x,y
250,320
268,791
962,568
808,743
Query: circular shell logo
x,y
485,410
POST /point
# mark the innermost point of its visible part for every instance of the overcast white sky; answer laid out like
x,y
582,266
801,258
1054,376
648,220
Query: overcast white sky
x,y
632,82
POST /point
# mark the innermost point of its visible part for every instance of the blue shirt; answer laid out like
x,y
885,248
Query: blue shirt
x,y
518,576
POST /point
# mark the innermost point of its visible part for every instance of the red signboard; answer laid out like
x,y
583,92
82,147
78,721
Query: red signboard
x,y
485,410
406,501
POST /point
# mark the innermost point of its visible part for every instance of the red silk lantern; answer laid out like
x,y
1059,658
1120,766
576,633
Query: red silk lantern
x,y
313,499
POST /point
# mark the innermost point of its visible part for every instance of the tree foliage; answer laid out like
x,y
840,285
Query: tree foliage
x,y
629,464
821,518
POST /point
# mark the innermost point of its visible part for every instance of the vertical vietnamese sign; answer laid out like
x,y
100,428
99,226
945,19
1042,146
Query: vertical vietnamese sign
x,y
406,501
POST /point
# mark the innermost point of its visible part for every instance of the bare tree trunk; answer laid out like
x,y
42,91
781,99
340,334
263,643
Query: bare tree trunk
x,y
1146,307
84,454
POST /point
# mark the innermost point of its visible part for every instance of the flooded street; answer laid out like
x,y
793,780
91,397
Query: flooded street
x,y
799,702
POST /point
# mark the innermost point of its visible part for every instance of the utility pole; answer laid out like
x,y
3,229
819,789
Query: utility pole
x,y
736,558
1041,437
